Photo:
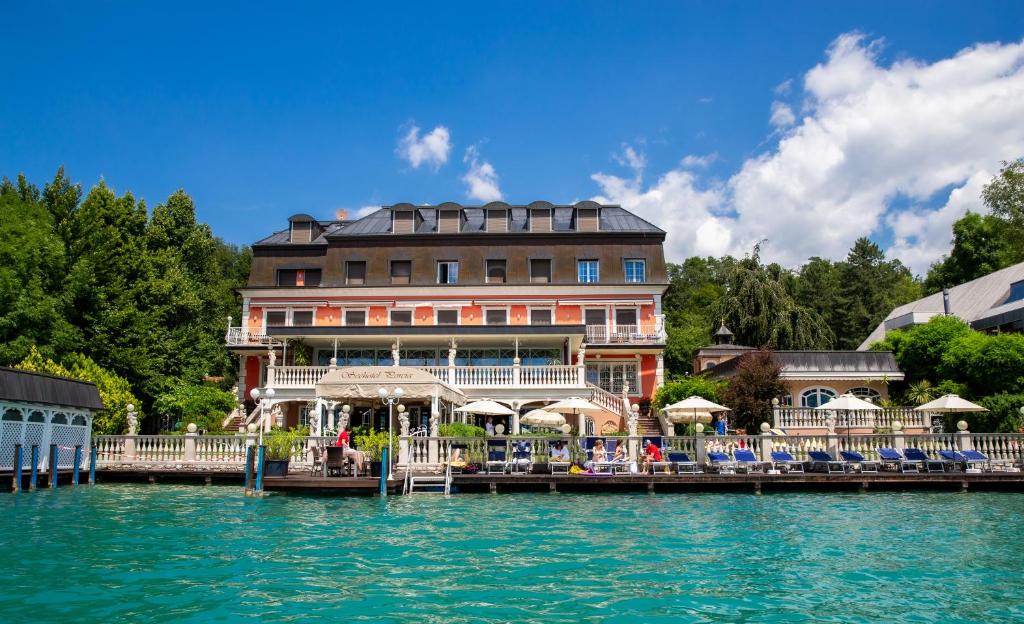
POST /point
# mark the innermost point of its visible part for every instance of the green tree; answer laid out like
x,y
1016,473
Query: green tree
x,y
205,405
751,390
987,364
920,392
980,246
1004,196
919,350
681,388
817,288
758,307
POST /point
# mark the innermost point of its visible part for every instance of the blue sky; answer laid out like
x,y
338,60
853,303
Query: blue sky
x,y
263,111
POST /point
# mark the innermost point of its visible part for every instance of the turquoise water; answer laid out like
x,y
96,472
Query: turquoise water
x,y
142,553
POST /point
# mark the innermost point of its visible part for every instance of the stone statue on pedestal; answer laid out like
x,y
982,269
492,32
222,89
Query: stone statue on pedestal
x,y
435,421
403,423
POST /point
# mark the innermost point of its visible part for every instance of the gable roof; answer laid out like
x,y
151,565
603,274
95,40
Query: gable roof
x,y
29,387
849,365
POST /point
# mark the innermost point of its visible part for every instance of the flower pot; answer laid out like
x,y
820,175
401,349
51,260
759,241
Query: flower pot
x,y
375,468
275,467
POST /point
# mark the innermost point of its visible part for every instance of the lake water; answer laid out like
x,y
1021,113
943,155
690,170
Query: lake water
x,y
163,553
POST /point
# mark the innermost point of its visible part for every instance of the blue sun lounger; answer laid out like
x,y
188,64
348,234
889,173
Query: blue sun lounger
x,y
831,464
746,461
682,463
721,463
922,459
855,462
976,460
785,462
953,460
891,458
497,457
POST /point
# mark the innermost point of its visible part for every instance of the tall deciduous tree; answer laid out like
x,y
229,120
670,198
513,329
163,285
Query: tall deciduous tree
x,y
751,390
1004,196
980,246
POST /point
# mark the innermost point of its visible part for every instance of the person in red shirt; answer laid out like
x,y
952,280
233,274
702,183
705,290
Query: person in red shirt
x,y
651,454
344,441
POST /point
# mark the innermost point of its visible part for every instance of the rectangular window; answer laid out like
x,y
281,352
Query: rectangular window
x,y
302,318
355,272
447,272
594,316
625,316
401,271
496,271
540,316
287,277
355,317
496,317
447,317
636,270
540,271
277,318
586,271
612,376
312,277
401,317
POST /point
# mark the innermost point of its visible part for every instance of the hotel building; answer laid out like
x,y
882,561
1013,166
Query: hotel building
x,y
524,305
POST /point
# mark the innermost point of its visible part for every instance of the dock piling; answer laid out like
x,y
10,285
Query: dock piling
x,y
78,464
16,484
249,452
53,467
259,470
92,465
384,472
35,468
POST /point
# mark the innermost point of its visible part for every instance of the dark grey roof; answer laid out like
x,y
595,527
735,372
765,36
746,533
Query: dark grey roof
x,y
809,362
28,387
613,219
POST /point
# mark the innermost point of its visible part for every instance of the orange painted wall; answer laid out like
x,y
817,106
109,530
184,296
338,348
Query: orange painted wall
x,y
255,319
327,316
378,316
646,314
252,373
477,314
648,373
568,315
518,315
423,315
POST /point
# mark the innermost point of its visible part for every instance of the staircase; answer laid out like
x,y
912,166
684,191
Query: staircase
x,y
234,421
646,425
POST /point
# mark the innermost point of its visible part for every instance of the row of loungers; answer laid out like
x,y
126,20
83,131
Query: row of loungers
x,y
743,460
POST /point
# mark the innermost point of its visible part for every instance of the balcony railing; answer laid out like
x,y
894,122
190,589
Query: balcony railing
x,y
810,418
626,334
554,376
242,337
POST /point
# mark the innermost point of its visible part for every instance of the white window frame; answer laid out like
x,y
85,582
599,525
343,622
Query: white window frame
x,y
613,314
458,315
550,309
597,273
410,310
818,389
289,317
437,272
872,394
625,274
489,308
611,363
346,310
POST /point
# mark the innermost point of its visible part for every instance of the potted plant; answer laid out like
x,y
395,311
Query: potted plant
x,y
278,444
372,444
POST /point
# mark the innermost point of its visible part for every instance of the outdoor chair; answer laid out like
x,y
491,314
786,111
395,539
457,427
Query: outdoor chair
x,y
721,463
953,460
335,462
522,458
783,461
921,458
976,460
463,454
855,462
557,467
497,457
682,463
831,465
893,460
746,461
318,460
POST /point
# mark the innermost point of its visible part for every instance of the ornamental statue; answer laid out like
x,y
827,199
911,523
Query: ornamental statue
x,y
403,423
435,418
133,421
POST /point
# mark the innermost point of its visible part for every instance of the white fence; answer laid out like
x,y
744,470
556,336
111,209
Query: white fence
x,y
810,418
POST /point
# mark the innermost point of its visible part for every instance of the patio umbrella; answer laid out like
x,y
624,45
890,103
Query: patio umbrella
x,y
575,406
847,403
486,407
542,418
695,407
950,404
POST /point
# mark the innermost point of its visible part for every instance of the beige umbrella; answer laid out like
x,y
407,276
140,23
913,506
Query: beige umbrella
x,y
575,406
542,418
486,407
848,403
950,403
693,409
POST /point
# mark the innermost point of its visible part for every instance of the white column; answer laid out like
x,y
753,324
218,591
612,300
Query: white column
x,y
659,371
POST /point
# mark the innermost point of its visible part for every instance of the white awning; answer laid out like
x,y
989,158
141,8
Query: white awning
x,y
363,382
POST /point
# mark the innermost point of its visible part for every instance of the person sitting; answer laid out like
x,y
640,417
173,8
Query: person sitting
x,y
560,452
455,459
489,427
651,454
598,454
356,457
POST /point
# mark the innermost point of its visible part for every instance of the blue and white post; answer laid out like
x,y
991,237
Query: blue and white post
x,y
92,465
53,467
78,464
259,469
35,468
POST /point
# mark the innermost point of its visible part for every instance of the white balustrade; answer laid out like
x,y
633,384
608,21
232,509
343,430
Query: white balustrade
x,y
628,334
551,376
1000,447
220,448
298,376
605,399
810,418
240,336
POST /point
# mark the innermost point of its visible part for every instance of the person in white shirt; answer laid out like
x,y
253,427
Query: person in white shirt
x,y
560,452
489,426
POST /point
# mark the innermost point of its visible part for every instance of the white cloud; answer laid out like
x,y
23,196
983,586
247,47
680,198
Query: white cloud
x,y
782,115
694,161
633,159
481,179
431,149
871,137
784,87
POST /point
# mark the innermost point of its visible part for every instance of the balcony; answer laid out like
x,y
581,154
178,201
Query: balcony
x,y
808,419
242,337
626,334
462,377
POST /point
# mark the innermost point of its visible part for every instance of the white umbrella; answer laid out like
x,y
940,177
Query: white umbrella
x,y
542,418
693,409
575,406
847,402
486,407
950,403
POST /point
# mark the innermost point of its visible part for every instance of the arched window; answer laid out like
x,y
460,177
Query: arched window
x,y
813,397
868,394
12,414
786,400
37,417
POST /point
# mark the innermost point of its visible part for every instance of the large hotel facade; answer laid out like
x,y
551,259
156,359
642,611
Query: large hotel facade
x,y
524,305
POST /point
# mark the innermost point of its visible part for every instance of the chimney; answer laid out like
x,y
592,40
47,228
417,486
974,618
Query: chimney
x,y
945,301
